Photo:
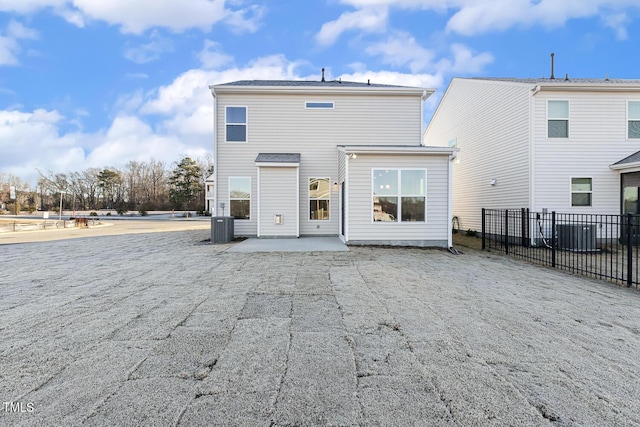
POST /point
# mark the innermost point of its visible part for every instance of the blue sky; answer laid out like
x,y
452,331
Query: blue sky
x,y
95,83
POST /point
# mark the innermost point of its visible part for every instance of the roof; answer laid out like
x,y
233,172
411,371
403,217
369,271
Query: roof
x,y
563,81
628,162
305,83
278,158
396,149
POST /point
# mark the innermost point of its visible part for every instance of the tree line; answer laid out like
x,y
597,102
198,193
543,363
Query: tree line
x,y
135,186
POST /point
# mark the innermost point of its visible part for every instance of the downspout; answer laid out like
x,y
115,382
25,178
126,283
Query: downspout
x,y
531,138
215,153
452,157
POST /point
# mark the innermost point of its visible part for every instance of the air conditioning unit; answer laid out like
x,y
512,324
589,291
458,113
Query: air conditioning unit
x,y
577,237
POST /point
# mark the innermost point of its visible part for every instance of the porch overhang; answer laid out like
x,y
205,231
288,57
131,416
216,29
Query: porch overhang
x,y
278,160
628,164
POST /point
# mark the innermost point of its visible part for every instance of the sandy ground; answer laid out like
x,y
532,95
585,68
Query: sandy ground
x,y
166,329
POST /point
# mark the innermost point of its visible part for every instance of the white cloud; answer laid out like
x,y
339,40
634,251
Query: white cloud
x,y
617,22
9,45
400,50
464,61
149,52
368,20
211,55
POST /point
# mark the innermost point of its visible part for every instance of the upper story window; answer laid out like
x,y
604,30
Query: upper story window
x,y
319,198
558,119
581,190
236,124
399,195
315,105
633,119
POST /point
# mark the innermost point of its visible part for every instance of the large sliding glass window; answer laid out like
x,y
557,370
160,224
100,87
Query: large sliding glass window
x,y
240,197
399,195
633,119
319,198
236,124
558,119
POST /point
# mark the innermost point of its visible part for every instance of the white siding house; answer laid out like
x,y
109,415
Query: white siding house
x,y
554,144
298,158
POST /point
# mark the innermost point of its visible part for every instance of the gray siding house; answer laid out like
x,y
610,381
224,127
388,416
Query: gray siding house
x,y
329,158
563,145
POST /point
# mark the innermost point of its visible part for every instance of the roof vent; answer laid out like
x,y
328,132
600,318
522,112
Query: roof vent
x,y
322,74
566,77
552,76
606,78
368,82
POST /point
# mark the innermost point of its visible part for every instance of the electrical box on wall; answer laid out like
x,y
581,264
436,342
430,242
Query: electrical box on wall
x,y
278,219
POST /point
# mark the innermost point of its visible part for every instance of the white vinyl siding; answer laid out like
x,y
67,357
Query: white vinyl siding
x,y
278,192
489,122
281,124
361,226
598,139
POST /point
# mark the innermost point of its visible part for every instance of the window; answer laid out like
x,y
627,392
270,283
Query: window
x,y
236,118
399,195
581,189
633,119
319,105
319,198
558,119
240,197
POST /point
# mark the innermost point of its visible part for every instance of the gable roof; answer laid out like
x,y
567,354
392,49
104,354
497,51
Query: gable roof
x,y
305,83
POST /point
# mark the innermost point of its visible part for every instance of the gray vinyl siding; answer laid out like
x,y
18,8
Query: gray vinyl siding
x,y
597,139
279,123
490,123
361,226
278,195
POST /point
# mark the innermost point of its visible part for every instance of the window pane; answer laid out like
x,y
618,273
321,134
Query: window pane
x,y
240,209
634,128
558,110
319,209
413,209
319,104
581,199
385,209
634,110
240,188
385,182
319,188
558,128
412,182
580,184
236,115
237,133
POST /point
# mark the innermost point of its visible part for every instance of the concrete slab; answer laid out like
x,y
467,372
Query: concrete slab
x,y
301,244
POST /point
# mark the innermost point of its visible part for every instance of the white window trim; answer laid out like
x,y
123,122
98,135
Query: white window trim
x,y
306,105
568,119
626,130
571,192
400,195
246,124
310,199
229,197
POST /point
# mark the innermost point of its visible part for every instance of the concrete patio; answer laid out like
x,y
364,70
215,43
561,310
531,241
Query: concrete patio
x,y
168,329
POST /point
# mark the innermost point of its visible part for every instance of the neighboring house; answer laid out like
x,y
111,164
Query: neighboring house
x,y
329,158
554,144
209,199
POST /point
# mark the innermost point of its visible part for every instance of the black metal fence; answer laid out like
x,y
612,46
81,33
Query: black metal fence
x,y
600,246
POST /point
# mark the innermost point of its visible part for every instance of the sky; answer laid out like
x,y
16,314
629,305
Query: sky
x,y
96,83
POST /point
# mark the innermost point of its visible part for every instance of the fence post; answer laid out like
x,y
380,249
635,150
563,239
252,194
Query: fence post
x,y
506,231
484,223
524,223
553,239
629,250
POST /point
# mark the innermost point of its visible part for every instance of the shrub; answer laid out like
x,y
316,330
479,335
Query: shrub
x,y
470,232
108,213
93,213
142,212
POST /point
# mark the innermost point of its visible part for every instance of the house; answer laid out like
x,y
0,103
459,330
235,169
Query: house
x,y
329,158
209,198
564,145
